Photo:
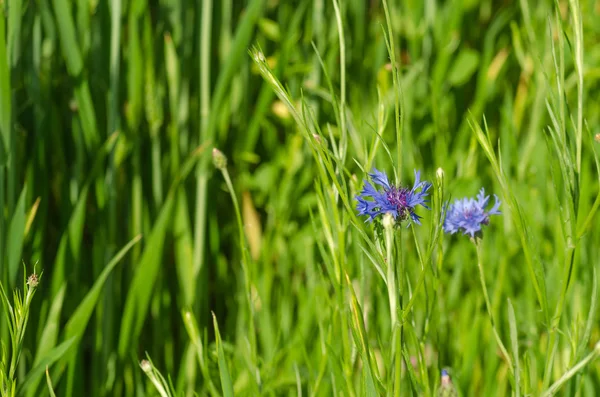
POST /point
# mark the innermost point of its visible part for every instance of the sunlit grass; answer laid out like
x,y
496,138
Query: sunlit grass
x,y
165,275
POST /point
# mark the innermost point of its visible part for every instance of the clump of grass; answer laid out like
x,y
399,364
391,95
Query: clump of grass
x,y
106,108
17,317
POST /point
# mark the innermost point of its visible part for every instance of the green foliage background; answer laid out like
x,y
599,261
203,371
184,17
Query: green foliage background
x,y
109,110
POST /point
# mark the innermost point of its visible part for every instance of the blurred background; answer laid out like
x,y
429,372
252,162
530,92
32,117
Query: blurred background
x,y
110,110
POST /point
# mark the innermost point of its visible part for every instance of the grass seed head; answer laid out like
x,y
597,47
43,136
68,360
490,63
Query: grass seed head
x,y
219,159
33,280
146,366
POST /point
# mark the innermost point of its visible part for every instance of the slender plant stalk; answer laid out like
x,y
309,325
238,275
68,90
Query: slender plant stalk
x,y
391,271
344,133
397,89
489,307
399,357
201,176
221,164
572,372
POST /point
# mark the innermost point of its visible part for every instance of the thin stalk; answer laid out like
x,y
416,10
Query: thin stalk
x,y
553,331
572,372
399,358
578,58
245,261
15,19
489,308
589,218
396,83
5,137
157,188
344,134
114,124
4,273
391,274
201,176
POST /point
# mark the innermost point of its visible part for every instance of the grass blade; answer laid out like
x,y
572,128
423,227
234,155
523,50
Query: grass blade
x,y
50,358
16,234
49,383
78,321
226,383
515,346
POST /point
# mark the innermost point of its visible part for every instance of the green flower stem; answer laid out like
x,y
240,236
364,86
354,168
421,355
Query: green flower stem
x,y
489,308
391,274
245,258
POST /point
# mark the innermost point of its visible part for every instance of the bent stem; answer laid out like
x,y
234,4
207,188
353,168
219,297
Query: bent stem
x,y
489,308
244,248
221,164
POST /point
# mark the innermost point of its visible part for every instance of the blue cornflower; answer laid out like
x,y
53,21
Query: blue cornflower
x,y
467,214
398,201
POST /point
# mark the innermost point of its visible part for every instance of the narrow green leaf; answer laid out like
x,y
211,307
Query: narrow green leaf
x,y
78,321
591,315
226,383
184,249
49,383
15,19
70,243
5,97
515,346
50,358
141,289
16,233
49,337
74,61
68,38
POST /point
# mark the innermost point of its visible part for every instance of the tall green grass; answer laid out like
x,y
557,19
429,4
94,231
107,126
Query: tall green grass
x,y
165,275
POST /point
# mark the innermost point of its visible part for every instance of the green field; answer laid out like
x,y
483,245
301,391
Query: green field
x,y
182,179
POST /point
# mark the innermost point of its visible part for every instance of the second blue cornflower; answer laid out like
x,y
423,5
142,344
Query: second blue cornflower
x,y
398,201
468,215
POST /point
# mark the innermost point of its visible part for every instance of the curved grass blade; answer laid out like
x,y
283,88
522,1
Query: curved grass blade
x,y
226,383
50,358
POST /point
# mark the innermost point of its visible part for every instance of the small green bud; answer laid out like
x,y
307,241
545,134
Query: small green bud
x,y
146,366
388,220
440,175
33,280
219,159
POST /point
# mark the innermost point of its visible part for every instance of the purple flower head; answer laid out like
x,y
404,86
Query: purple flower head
x,y
468,215
399,201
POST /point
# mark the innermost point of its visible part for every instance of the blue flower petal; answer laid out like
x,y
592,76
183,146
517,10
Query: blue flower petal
x,y
398,201
468,215
380,178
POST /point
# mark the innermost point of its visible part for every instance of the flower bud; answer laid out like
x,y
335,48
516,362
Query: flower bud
x,y
219,159
388,220
439,174
146,366
33,280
